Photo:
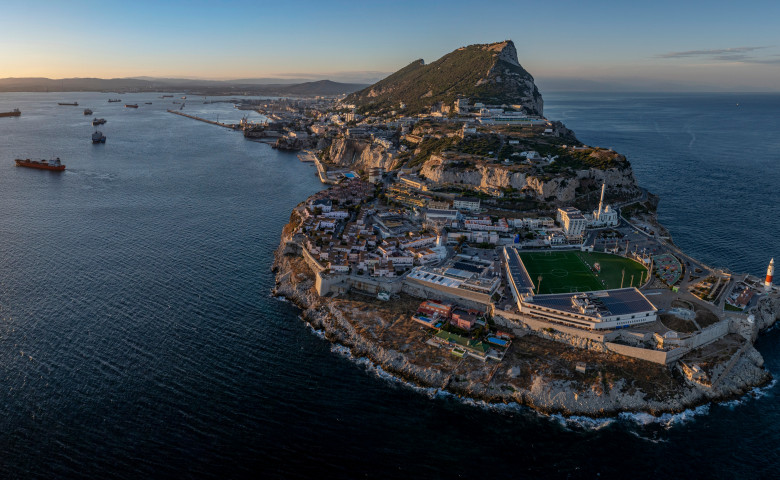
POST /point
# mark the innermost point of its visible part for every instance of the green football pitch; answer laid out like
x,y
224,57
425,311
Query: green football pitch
x,y
572,271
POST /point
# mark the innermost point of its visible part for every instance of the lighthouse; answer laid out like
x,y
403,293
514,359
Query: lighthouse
x,y
770,272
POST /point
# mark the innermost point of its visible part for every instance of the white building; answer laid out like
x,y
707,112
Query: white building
x,y
466,203
604,216
438,214
324,204
572,221
608,309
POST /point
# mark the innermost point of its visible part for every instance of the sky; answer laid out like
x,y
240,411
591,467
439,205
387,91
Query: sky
x,y
659,45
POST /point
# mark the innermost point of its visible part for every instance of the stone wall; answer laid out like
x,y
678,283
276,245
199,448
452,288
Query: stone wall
x,y
540,325
655,356
465,298
708,335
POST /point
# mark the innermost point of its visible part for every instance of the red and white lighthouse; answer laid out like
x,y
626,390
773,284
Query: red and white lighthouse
x,y
770,272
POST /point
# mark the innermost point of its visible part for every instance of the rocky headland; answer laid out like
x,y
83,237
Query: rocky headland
x,y
539,371
441,124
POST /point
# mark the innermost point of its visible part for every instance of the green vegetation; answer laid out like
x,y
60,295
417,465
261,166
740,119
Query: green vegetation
x,y
486,145
572,271
460,73
428,147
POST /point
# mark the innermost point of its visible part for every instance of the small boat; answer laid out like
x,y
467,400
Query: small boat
x,y
54,164
148,103
98,137
112,100
167,96
184,97
14,113
87,111
74,104
98,121
131,105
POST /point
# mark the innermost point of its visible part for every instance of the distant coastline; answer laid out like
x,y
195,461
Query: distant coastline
x,y
195,87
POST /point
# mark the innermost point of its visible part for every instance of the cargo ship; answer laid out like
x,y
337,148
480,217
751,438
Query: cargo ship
x,y
54,164
73,104
131,105
98,137
98,121
112,100
14,113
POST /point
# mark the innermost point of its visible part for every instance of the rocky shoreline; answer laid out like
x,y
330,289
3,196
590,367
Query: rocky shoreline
x,y
604,393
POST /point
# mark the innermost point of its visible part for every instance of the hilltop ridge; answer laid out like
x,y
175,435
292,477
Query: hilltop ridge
x,y
487,73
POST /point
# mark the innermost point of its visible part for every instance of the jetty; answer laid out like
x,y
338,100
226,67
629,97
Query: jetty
x,y
307,156
232,126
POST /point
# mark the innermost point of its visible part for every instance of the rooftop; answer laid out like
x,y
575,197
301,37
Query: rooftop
x,y
624,301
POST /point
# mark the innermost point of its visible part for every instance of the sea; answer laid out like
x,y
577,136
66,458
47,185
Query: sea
x,y
139,337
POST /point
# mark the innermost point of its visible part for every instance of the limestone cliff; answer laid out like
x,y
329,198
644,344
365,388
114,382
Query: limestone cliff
x,y
361,154
560,189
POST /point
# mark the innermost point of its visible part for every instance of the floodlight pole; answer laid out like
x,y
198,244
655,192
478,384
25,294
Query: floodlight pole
x,y
539,285
622,276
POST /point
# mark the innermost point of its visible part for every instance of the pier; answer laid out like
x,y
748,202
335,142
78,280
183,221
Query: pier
x,y
232,126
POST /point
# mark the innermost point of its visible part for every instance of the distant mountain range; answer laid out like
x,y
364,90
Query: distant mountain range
x,y
260,86
487,73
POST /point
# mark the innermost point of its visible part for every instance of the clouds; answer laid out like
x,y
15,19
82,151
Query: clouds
x,y
735,54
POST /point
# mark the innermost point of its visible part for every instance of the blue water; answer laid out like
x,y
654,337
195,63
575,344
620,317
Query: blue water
x,y
138,338
714,159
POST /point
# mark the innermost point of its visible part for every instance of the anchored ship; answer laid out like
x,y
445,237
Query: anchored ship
x,y
98,137
54,164
74,104
87,111
14,113
98,121
112,100
131,105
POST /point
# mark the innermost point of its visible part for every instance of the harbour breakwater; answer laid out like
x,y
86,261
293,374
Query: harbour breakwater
x,y
232,126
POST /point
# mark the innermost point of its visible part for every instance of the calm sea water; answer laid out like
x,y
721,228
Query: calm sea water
x,y
138,338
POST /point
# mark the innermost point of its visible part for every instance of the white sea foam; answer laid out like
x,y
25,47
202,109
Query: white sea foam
x,y
319,333
572,423
759,392
666,420
579,422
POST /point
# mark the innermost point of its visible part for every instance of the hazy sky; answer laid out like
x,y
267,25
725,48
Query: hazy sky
x,y
664,45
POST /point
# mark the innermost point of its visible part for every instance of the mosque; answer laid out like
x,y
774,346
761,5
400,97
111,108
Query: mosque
x,y
605,216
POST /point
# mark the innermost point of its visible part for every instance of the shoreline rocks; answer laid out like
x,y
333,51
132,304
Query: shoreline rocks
x,y
603,395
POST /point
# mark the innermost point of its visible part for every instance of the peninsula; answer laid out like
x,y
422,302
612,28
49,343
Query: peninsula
x,y
469,244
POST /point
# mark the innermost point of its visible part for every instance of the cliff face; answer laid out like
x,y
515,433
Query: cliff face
x,y
558,189
361,154
489,73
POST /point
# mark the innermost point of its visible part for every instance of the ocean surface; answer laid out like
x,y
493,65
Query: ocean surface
x,y
138,337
